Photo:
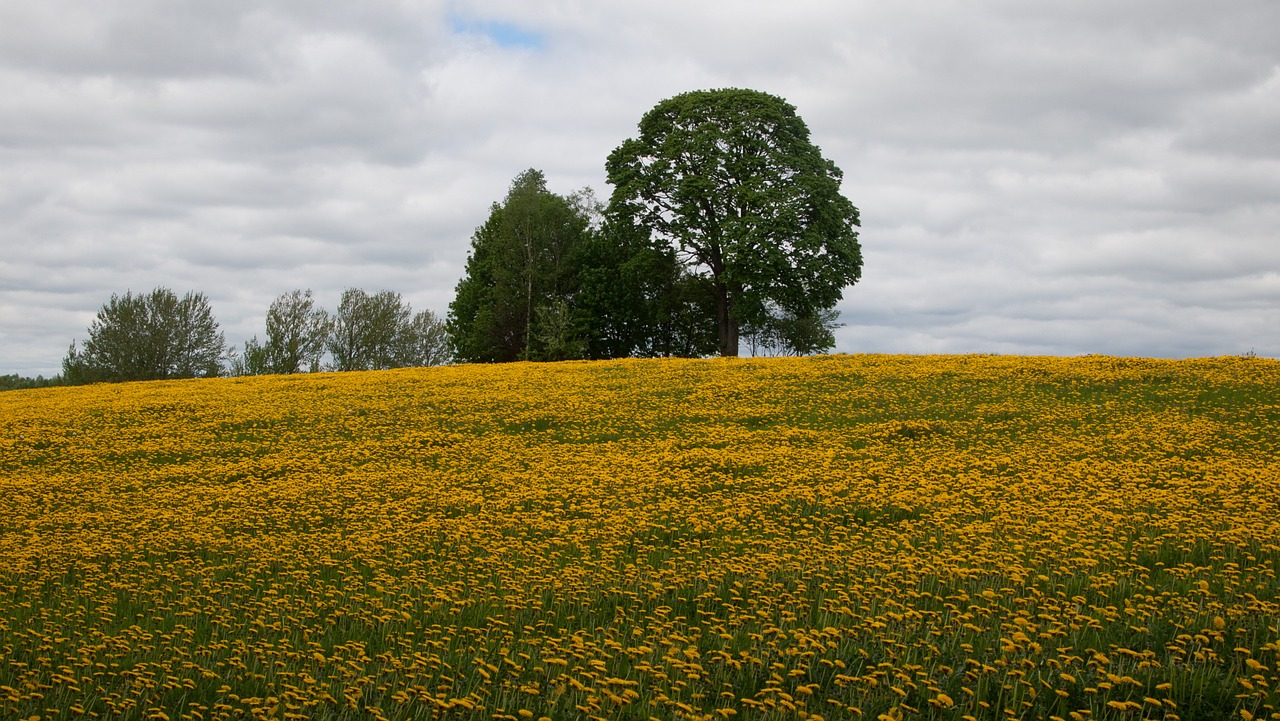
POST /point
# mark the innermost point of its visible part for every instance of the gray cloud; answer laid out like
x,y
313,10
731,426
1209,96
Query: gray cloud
x,y
1034,178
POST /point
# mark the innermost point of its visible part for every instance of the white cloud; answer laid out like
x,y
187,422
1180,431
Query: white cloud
x,y
1042,178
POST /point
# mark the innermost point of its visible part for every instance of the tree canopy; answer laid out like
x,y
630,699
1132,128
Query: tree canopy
x,y
380,331
152,336
731,180
513,302
553,277
369,332
635,299
296,332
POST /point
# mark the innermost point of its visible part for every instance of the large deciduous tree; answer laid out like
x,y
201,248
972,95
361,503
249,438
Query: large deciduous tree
x,y
150,336
731,180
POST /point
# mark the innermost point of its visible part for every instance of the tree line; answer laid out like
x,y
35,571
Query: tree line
x,y
725,228
369,332
159,336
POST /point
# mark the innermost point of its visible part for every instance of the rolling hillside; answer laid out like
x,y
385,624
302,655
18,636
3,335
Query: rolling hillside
x,y
833,537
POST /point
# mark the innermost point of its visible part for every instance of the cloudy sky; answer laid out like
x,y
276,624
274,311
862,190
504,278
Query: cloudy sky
x,y
1046,178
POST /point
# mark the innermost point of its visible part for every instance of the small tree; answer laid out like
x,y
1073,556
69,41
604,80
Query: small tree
x,y
380,331
632,298
148,337
296,333
780,332
253,361
366,330
425,342
554,336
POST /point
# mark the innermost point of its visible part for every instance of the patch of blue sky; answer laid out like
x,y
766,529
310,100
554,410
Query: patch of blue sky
x,y
503,34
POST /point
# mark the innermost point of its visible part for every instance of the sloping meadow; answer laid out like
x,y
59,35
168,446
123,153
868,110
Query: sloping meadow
x,y
830,537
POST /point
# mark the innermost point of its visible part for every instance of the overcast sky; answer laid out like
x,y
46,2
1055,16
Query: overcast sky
x,y
1033,177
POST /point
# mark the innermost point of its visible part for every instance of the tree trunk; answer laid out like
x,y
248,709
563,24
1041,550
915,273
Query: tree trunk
x,y
726,324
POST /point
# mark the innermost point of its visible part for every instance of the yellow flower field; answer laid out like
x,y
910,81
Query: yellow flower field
x,y
822,538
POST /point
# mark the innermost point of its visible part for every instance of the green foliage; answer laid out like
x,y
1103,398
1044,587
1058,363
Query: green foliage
x,y
521,259
554,336
15,382
781,332
366,329
148,337
553,278
731,181
426,342
369,332
634,298
296,333
255,360
380,331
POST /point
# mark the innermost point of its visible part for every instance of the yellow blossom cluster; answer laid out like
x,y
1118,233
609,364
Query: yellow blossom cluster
x,y
839,537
